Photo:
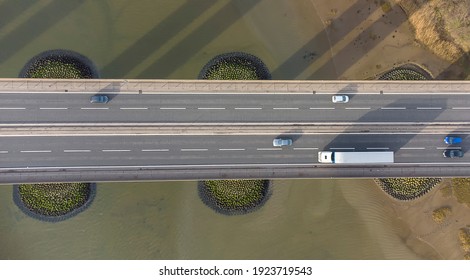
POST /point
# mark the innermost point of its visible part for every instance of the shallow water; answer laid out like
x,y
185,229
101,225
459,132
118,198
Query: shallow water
x,y
163,39
303,219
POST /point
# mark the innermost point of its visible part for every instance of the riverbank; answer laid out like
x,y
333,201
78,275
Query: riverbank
x,y
369,37
418,216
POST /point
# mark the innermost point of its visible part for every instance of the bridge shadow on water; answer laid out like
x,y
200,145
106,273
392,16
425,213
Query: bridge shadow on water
x,y
34,26
196,40
156,37
163,32
292,67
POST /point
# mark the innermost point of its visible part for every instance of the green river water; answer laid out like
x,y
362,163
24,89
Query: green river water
x,y
304,219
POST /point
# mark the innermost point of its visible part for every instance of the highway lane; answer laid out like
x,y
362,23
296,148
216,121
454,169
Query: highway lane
x,y
21,152
164,108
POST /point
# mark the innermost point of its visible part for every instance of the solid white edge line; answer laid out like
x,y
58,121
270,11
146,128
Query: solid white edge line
x,y
347,93
222,165
239,123
136,92
427,92
223,135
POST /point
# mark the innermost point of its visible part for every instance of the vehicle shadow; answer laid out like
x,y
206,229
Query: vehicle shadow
x,y
351,140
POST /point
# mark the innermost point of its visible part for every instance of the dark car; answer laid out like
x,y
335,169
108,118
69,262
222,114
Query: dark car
x,y
452,153
99,98
452,140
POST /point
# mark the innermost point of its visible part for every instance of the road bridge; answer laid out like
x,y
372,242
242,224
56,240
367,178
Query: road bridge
x,y
197,129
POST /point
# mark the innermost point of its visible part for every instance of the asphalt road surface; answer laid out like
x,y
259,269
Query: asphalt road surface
x,y
22,152
168,108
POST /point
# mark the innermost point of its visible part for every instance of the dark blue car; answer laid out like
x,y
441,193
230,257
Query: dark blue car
x,y
452,140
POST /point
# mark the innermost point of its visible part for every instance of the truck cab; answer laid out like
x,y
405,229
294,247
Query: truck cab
x,y
326,157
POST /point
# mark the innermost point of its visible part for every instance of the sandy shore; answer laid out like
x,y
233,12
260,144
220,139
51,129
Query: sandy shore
x,y
417,214
368,38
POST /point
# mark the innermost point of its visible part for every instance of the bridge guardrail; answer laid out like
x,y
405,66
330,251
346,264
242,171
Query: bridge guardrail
x,y
205,86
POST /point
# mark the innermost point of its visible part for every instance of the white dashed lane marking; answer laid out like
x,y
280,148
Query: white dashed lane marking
x,y
248,108
77,151
214,108
133,108
44,108
393,108
94,108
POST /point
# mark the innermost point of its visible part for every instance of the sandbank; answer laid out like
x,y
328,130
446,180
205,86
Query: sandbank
x,y
417,214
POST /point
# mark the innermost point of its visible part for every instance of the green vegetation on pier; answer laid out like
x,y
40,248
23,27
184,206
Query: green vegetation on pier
x,y
59,64
407,188
406,72
235,66
53,201
234,196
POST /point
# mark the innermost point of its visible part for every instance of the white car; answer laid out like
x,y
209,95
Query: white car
x,y
279,142
340,99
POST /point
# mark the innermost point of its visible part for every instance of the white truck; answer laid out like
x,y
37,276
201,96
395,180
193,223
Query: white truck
x,y
355,157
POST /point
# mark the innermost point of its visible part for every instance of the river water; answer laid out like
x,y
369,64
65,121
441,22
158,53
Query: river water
x,y
164,39
304,219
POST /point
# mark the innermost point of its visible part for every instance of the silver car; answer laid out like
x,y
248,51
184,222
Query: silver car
x,y
340,99
279,142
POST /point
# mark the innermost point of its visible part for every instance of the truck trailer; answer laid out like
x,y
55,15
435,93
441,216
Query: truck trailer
x,y
355,157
